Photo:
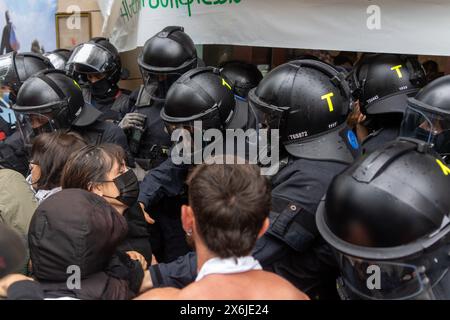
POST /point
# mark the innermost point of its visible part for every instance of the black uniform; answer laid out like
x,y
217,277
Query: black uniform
x,y
291,247
113,106
379,138
152,148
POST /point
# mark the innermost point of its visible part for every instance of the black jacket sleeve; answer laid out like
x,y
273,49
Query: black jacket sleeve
x,y
25,290
177,274
166,180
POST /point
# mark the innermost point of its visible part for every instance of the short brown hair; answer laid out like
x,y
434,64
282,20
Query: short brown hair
x,y
230,203
91,165
51,151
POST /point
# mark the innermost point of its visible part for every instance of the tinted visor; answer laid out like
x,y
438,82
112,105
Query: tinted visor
x,y
31,125
158,84
428,126
419,277
268,116
89,58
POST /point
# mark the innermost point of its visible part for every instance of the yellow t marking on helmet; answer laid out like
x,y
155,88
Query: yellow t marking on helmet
x,y
398,69
328,97
225,84
444,168
76,83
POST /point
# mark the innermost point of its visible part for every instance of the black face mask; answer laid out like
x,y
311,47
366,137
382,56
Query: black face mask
x,y
128,186
442,144
101,88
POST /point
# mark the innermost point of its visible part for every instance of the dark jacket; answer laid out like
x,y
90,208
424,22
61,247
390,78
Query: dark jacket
x,y
378,138
75,233
114,106
154,144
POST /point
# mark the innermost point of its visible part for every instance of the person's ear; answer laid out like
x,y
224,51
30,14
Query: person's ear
x,y
187,219
95,188
265,226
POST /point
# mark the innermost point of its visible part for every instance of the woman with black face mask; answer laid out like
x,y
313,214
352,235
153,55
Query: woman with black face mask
x,y
101,170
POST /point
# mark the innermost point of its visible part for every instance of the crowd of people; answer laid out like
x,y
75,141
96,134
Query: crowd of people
x,y
93,205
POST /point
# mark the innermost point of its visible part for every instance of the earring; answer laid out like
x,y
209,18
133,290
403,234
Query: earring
x,y
189,233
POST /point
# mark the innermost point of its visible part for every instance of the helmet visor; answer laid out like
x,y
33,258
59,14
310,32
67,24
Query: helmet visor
x,y
428,126
268,116
158,84
421,276
57,61
380,280
31,125
7,73
89,58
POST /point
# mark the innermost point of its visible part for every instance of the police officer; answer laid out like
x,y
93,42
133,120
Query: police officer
x,y
200,95
50,100
164,58
15,69
242,77
59,58
308,101
97,66
391,244
428,116
383,83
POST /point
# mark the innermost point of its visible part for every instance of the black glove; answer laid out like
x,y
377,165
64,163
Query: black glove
x,y
121,266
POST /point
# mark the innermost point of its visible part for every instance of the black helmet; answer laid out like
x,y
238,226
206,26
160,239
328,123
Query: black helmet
x,y
164,58
59,58
98,56
199,95
241,76
389,211
428,116
308,101
16,68
383,82
49,101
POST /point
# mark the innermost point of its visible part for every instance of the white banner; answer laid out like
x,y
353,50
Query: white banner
x,y
400,26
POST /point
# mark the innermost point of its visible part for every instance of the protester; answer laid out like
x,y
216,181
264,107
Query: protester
x,y
17,203
49,155
228,210
12,257
102,170
74,237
